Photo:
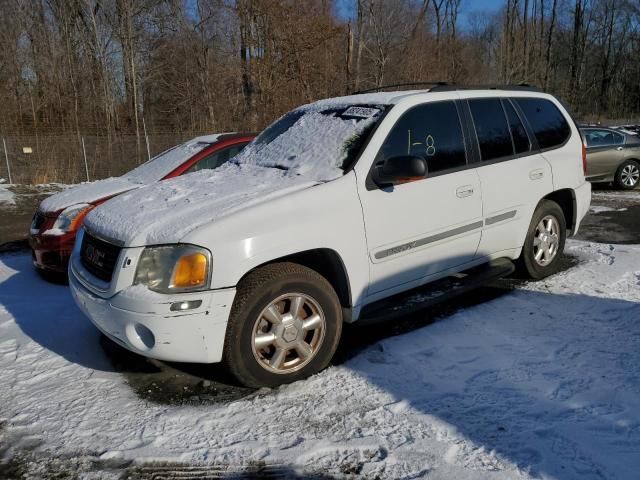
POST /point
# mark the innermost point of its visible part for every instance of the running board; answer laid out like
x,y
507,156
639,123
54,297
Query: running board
x,y
433,293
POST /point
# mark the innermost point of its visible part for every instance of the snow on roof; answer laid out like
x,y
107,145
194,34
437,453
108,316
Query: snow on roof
x,y
166,211
375,98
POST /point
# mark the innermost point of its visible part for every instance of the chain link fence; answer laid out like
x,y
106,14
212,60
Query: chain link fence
x,y
73,159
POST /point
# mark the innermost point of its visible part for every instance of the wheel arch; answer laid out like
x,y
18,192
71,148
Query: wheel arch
x,y
325,261
566,199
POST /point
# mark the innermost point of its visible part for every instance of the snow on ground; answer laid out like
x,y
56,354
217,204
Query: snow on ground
x,y
616,195
542,382
603,209
6,195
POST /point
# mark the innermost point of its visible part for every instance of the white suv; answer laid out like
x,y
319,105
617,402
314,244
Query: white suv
x,y
336,207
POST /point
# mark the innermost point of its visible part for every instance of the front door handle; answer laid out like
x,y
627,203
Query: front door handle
x,y
620,149
536,174
464,191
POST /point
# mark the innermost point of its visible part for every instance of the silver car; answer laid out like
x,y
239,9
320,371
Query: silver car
x,y
612,156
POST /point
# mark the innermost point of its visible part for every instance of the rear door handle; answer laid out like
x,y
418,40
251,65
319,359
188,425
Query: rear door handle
x,y
464,191
536,174
620,149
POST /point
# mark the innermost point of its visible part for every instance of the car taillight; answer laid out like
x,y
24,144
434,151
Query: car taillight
x,y
584,159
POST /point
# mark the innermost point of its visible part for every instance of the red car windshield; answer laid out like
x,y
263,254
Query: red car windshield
x,y
163,164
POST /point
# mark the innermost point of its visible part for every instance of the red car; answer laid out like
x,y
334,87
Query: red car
x,y
55,223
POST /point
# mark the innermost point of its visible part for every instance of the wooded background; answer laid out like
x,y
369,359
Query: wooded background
x,y
115,69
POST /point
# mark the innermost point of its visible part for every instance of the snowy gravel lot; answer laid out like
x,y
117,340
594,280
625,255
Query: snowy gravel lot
x,y
539,381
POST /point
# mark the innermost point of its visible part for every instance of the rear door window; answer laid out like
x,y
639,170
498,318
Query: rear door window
x,y
603,138
431,131
548,124
492,130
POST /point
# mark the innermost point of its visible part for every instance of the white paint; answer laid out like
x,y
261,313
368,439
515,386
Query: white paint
x,y
247,213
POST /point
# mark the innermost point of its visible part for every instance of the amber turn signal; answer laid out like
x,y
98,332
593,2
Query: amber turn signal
x,y
190,271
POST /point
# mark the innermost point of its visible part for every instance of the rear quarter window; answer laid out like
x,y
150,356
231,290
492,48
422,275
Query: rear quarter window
x,y
547,122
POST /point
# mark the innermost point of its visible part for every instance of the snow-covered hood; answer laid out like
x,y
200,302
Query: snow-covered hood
x,y
152,171
304,147
87,193
167,211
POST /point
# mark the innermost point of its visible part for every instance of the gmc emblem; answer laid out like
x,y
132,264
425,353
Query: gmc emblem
x,y
93,255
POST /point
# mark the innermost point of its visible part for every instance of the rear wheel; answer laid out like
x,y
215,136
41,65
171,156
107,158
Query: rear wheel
x,y
545,241
285,325
628,175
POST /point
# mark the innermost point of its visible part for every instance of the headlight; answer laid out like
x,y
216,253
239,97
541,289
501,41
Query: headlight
x,y
70,217
174,268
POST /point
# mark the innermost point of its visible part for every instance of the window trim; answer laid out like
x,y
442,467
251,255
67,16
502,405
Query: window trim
x,y
371,185
524,125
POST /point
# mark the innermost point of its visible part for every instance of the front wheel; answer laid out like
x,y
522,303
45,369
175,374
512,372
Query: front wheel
x,y
285,325
628,175
545,241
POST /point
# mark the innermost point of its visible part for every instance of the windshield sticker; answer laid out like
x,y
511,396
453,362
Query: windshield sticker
x,y
360,112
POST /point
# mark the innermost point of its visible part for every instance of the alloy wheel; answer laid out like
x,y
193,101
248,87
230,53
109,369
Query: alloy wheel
x,y
630,175
546,241
288,333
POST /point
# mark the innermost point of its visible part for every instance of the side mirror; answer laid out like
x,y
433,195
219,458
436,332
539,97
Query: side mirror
x,y
405,168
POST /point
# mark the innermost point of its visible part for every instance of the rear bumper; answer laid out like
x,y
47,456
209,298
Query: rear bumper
x,y
195,336
583,202
52,252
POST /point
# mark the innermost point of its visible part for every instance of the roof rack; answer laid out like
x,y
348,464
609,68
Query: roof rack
x,y
396,85
451,87
448,87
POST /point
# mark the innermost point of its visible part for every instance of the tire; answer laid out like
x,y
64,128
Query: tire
x,y
628,175
254,321
547,264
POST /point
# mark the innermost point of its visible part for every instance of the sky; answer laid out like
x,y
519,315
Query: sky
x,y
467,8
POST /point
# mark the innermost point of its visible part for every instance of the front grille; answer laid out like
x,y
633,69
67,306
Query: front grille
x,y
99,257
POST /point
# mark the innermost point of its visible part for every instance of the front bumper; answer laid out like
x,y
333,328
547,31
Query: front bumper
x,y
191,336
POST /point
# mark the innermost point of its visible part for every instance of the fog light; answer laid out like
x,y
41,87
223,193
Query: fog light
x,y
187,305
140,336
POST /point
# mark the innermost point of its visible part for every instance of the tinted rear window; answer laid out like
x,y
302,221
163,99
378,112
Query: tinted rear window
x,y
548,124
491,128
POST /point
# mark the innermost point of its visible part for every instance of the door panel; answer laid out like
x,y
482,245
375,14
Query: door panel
x,y
513,180
605,151
427,226
603,161
421,228
511,190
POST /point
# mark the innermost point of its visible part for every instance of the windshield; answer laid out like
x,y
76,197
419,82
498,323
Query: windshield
x,y
317,142
163,164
